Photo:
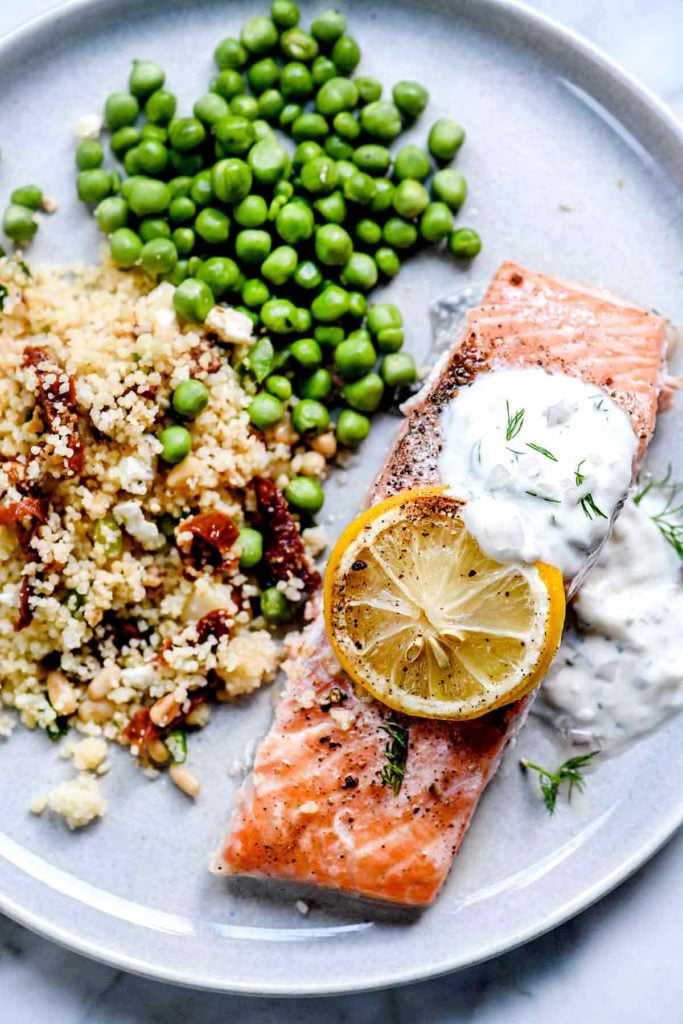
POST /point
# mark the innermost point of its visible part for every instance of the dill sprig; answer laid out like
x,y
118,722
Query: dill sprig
x,y
396,753
569,772
588,503
669,520
543,497
541,450
514,422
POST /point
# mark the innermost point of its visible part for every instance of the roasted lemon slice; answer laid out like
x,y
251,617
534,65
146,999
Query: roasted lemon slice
x,y
423,619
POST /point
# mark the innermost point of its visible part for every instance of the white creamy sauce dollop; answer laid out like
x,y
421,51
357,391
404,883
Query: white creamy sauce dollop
x,y
542,459
619,671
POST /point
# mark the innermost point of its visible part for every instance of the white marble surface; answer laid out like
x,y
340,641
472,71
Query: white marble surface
x,y
618,963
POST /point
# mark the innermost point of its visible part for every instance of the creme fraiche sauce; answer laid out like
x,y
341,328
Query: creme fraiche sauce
x,y
543,459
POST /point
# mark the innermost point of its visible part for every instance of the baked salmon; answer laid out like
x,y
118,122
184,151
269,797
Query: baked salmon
x,y
316,809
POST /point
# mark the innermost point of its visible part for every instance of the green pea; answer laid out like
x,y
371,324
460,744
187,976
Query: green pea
x,y
365,394
360,272
279,316
255,293
158,256
308,275
411,198
176,441
276,205
302,320
160,108
145,78
384,196
328,336
252,245
318,386
89,155
387,261
294,223
310,417
121,108
372,158
323,70
125,247
358,305
390,339
212,225
411,162
228,84
194,265
231,179
230,53
450,187
235,134
158,132
122,141
263,74
299,45
436,222
360,188
285,13
296,81
346,125
152,157
259,34
330,305
306,353
289,114
369,232
269,161
399,234
319,175
210,108
180,271
329,26
108,537
352,428
130,161
201,189
262,130
382,120
411,98
181,209
184,241
186,133
186,163
180,186
275,607
332,208
220,273
279,266
309,126
251,212
193,300
279,386
346,54
250,543
369,89
111,213
305,151
93,186
338,148
336,95
148,196
19,223
265,410
190,398
270,104
153,227
354,356
464,243
382,315
398,370
445,139
333,245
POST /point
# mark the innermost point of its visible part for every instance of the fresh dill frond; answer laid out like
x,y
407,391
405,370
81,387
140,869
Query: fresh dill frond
x,y
542,497
541,450
570,772
515,422
588,504
669,520
396,753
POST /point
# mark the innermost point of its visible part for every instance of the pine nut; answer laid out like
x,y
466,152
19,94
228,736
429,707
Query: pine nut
x,y
63,696
185,780
157,751
97,711
105,681
188,471
326,444
309,463
199,716
284,432
164,710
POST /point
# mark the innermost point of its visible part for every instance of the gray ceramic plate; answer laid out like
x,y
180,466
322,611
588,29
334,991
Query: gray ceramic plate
x,y
573,170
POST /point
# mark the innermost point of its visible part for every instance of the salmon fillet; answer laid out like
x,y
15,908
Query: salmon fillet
x,y
315,809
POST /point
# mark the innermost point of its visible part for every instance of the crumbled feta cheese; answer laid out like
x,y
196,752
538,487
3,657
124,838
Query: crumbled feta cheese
x,y
89,126
147,533
133,473
230,325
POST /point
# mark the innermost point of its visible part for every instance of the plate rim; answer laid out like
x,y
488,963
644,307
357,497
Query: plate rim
x,y
548,30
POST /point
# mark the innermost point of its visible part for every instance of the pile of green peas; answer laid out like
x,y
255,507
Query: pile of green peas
x,y
19,216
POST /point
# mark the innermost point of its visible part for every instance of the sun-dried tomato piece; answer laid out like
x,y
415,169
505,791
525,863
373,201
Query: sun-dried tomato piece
x,y
26,515
57,395
140,730
24,615
283,548
207,538
216,623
